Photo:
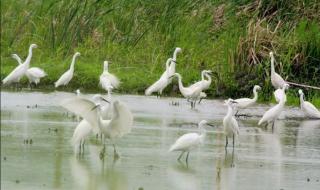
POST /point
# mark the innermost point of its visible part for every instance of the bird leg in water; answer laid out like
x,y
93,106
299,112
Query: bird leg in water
x,y
187,157
115,154
272,126
83,146
180,156
236,113
233,142
226,143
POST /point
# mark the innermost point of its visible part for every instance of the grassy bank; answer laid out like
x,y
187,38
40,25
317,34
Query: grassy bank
x,y
233,38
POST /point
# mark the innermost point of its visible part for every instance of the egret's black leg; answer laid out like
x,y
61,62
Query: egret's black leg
x,y
115,154
233,141
180,156
226,142
187,157
272,126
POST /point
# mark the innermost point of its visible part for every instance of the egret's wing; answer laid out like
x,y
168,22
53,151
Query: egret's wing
x,y
235,125
196,85
185,141
36,72
64,79
159,84
113,80
15,75
83,107
310,108
122,123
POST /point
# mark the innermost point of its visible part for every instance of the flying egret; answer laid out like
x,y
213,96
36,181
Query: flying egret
x,y
119,125
191,93
107,79
165,79
34,74
309,109
20,70
67,76
273,113
230,124
276,80
190,141
247,102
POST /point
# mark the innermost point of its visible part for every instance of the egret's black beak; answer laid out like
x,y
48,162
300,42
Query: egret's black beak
x,y
211,125
235,102
171,76
200,100
105,100
174,61
95,107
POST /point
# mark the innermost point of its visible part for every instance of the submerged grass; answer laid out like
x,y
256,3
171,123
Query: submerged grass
x,y
232,38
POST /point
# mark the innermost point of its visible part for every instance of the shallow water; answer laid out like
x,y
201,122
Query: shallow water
x,y
289,158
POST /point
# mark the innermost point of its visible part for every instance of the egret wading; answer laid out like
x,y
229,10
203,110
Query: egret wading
x,y
34,74
273,113
190,141
230,124
119,125
243,103
165,79
309,109
203,83
20,70
67,76
190,93
107,79
276,80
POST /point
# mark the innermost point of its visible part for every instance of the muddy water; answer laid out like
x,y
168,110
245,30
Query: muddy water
x,y
289,158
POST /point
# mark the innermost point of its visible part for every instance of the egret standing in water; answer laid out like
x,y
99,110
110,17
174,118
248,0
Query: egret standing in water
x,y
67,76
107,79
34,74
165,79
203,83
276,80
243,103
20,70
119,125
190,141
309,109
190,93
273,113
230,124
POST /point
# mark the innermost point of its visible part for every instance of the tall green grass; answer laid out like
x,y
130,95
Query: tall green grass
x,y
138,36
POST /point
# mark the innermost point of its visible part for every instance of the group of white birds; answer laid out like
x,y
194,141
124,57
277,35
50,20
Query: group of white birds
x,y
110,118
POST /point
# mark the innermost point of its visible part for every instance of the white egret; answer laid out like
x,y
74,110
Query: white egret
x,y
273,113
119,125
203,83
230,124
165,79
67,76
191,93
107,79
309,109
34,74
20,70
279,94
81,132
247,102
203,95
160,84
190,141
276,80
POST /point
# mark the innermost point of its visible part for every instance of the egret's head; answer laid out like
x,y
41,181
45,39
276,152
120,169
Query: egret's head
x,y
178,50
286,86
78,91
209,71
300,92
77,54
257,87
271,54
202,123
33,46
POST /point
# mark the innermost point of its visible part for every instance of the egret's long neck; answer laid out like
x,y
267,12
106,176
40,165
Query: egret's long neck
x,y
230,111
109,93
105,67
174,58
181,87
255,94
27,62
209,77
301,99
284,99
202,75
203,133
272,65
73,62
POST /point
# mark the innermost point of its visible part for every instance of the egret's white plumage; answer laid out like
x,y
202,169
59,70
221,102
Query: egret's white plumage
x,y
67,76
247,102
203,83
191,93
165,79
162,83
82,130
276,80
20,70
107,79
273,113
34,74
119,125
309,109
230,124
190,141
